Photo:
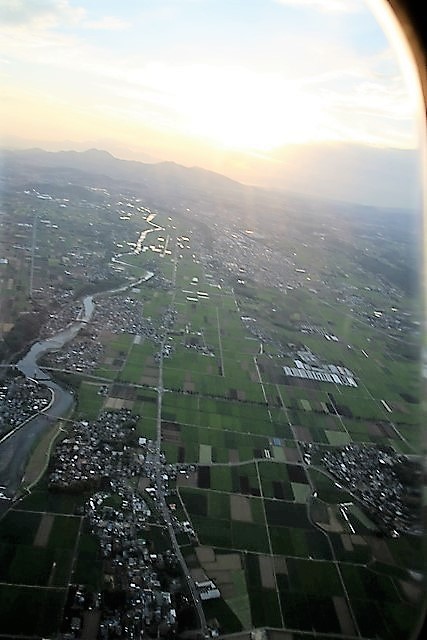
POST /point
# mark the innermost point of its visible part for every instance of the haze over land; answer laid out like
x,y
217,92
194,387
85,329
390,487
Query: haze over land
x,y
347,172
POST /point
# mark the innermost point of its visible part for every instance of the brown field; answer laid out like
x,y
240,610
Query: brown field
x,y
125,392
344,616
292,454
240,508
228,562
266,570
43,532
171,431
182,481
91,620
277,635
332,423
198,574
152,372
118,403
360,540
280,565
205,554
303,433
219,568
346,542
233,455
223,562
374,429
380,550
222,577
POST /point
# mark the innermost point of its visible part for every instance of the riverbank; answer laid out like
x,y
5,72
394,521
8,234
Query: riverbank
x,y
16,450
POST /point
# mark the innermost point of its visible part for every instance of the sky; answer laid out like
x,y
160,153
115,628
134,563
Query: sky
x,y
242,87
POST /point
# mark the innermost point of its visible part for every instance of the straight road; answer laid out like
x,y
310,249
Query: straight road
x,y
161,501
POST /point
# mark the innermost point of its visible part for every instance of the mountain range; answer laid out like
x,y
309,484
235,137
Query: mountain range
x,y
347,173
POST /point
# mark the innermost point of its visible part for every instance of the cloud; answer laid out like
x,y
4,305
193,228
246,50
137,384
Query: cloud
x,y
312,88
107,23
39,13
326,6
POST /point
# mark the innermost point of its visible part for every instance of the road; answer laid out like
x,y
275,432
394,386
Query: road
x,y
160,496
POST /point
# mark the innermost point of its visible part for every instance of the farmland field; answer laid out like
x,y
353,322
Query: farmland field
x,y
249,391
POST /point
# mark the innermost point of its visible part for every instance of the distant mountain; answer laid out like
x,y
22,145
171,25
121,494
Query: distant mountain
x,y
340,174
383,177
103,163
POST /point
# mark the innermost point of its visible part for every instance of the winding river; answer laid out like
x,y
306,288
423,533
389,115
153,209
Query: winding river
x,y
16,447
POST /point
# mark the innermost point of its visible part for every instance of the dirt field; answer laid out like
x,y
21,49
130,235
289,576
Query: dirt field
x,y
303,433
123,391
280,565
114,403
191,481
346,542
43,532
205,554
343,615
223,562
240,508
91,620
266,570
374,429
292,454
233,455
380,550
171,432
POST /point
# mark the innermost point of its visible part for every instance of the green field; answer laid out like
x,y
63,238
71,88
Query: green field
x,y
309,559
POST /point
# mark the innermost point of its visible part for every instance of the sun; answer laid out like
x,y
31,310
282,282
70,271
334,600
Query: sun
x,y
238,109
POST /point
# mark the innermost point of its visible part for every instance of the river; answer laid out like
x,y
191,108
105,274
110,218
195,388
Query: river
x,y
16,448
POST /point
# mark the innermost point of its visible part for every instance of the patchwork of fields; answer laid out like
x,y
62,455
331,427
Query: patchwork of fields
x,y
287,547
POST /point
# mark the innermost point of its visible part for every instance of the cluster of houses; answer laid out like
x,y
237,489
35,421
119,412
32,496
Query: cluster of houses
x,y
116,467
65,313
21,399
122,314
95,452
130,565
83,354
385,483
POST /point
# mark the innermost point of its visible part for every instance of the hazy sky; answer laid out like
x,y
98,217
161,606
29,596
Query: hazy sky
x,y
224,84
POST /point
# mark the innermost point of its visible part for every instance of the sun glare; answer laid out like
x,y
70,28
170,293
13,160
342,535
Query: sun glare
x,y
238,109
